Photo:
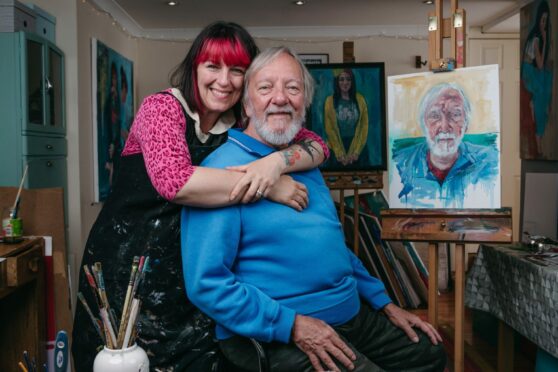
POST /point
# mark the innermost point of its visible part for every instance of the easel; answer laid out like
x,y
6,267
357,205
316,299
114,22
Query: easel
x,y
448,225
458,226
352,180
440,28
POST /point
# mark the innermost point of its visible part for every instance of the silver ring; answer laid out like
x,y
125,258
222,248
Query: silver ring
x,y
259,193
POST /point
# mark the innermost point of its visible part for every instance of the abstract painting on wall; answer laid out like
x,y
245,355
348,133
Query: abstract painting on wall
x,y
113,110
444,139
539,81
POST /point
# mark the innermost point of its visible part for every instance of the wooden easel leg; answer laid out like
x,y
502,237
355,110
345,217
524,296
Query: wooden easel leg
x,y
459,307
505,347
342,207
433,284
356,219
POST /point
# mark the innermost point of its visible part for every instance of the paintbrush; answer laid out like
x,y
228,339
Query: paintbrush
x,y
13,213
131,321
109,331
98,269
96,322
144,265
125,308
93,285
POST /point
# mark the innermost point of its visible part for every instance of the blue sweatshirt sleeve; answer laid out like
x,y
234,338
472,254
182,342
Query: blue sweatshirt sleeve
x,y
369,288
210,240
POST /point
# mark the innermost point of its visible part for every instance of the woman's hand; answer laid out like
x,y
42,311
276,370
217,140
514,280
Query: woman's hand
x,y
259,177
290,193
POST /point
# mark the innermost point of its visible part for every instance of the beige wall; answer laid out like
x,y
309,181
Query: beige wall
x,y
158,58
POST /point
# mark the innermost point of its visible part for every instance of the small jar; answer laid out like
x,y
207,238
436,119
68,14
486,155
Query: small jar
x,y
12,228
130,359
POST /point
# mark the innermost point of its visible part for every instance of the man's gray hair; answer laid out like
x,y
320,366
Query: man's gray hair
x,y
433,95
266,57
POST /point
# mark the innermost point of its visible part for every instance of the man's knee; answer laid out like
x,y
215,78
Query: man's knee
x,y
431,355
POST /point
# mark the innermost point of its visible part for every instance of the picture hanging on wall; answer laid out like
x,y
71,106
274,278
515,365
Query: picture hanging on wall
x,y
312,59
113,110
348,111
539,81
444,139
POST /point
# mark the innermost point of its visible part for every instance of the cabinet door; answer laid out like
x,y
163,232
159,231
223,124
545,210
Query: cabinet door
x,y
43,100
54,81
34,90
45,172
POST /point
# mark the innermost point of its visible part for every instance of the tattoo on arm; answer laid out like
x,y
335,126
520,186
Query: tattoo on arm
x,y
292,155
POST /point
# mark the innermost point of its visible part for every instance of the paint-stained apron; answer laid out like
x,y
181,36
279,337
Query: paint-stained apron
x,y
135,221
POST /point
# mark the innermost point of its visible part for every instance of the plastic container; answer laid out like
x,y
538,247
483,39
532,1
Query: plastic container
x,y
130,359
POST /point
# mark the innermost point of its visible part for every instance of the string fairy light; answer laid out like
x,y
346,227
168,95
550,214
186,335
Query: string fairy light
x,y
381,34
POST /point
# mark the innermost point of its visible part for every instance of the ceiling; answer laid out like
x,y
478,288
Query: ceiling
x,y
317,18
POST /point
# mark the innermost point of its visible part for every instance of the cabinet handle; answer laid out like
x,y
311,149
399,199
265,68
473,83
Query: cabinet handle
x,y
33,264
48,85
49,164
49,147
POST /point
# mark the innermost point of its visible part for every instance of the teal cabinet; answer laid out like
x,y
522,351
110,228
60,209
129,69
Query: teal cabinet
x,y
32,122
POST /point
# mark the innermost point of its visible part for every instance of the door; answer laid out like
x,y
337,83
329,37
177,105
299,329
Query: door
x,y
505,53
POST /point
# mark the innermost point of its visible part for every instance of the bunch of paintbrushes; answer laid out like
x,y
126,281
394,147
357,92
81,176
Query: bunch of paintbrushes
x,y
115,335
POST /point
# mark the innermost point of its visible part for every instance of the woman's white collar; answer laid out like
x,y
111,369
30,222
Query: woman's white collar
x,y
223,124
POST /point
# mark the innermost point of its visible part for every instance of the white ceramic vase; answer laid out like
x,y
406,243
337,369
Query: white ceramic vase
x,y
130,359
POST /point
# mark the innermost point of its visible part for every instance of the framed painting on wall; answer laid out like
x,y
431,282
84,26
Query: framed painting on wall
x,y
312,59
348,111
113,110
539,81
444,139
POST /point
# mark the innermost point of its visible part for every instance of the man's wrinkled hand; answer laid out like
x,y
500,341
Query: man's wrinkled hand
x,y
289,192
321,343
407,321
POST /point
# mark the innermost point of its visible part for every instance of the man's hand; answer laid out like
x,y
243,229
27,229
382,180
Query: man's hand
x,y
320,342
407,321
289,192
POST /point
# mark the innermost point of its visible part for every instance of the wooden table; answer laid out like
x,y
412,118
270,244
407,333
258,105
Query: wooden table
x,y
22,305
458,226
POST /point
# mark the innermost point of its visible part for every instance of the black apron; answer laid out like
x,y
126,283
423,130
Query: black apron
x,y
135,221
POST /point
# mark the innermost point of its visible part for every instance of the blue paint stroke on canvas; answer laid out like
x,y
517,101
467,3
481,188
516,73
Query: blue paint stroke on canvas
x,y
476,167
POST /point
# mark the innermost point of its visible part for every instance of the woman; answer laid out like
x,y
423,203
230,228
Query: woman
x,y
536,83
173,131
346,122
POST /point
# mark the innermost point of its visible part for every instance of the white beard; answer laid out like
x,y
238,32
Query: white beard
x,y
444,148
282,137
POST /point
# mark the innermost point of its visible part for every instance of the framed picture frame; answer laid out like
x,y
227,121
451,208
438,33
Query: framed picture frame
x,y
314,59
112,110
348,112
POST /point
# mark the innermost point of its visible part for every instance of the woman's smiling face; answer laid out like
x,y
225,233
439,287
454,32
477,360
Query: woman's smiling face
x,y
219,85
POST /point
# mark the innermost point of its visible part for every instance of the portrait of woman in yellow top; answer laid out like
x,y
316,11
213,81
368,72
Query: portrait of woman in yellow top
x,y
348,112
346,121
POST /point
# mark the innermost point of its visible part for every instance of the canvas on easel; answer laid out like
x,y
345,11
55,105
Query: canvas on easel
x,y
444,139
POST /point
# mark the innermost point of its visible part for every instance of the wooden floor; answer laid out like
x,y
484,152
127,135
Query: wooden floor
x,y
524,360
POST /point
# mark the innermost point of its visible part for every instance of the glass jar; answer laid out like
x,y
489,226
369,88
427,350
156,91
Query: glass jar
x,y
130,359
12,228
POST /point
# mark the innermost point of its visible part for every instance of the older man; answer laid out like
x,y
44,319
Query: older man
x,y
284,277
445,171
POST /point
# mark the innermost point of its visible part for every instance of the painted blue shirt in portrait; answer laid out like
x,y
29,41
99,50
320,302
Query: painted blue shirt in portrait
x,y
471,182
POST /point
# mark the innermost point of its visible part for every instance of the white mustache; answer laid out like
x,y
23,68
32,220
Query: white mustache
x,y
445,136
288,109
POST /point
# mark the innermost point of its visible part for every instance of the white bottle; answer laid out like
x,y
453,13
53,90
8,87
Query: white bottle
x,y
130,359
